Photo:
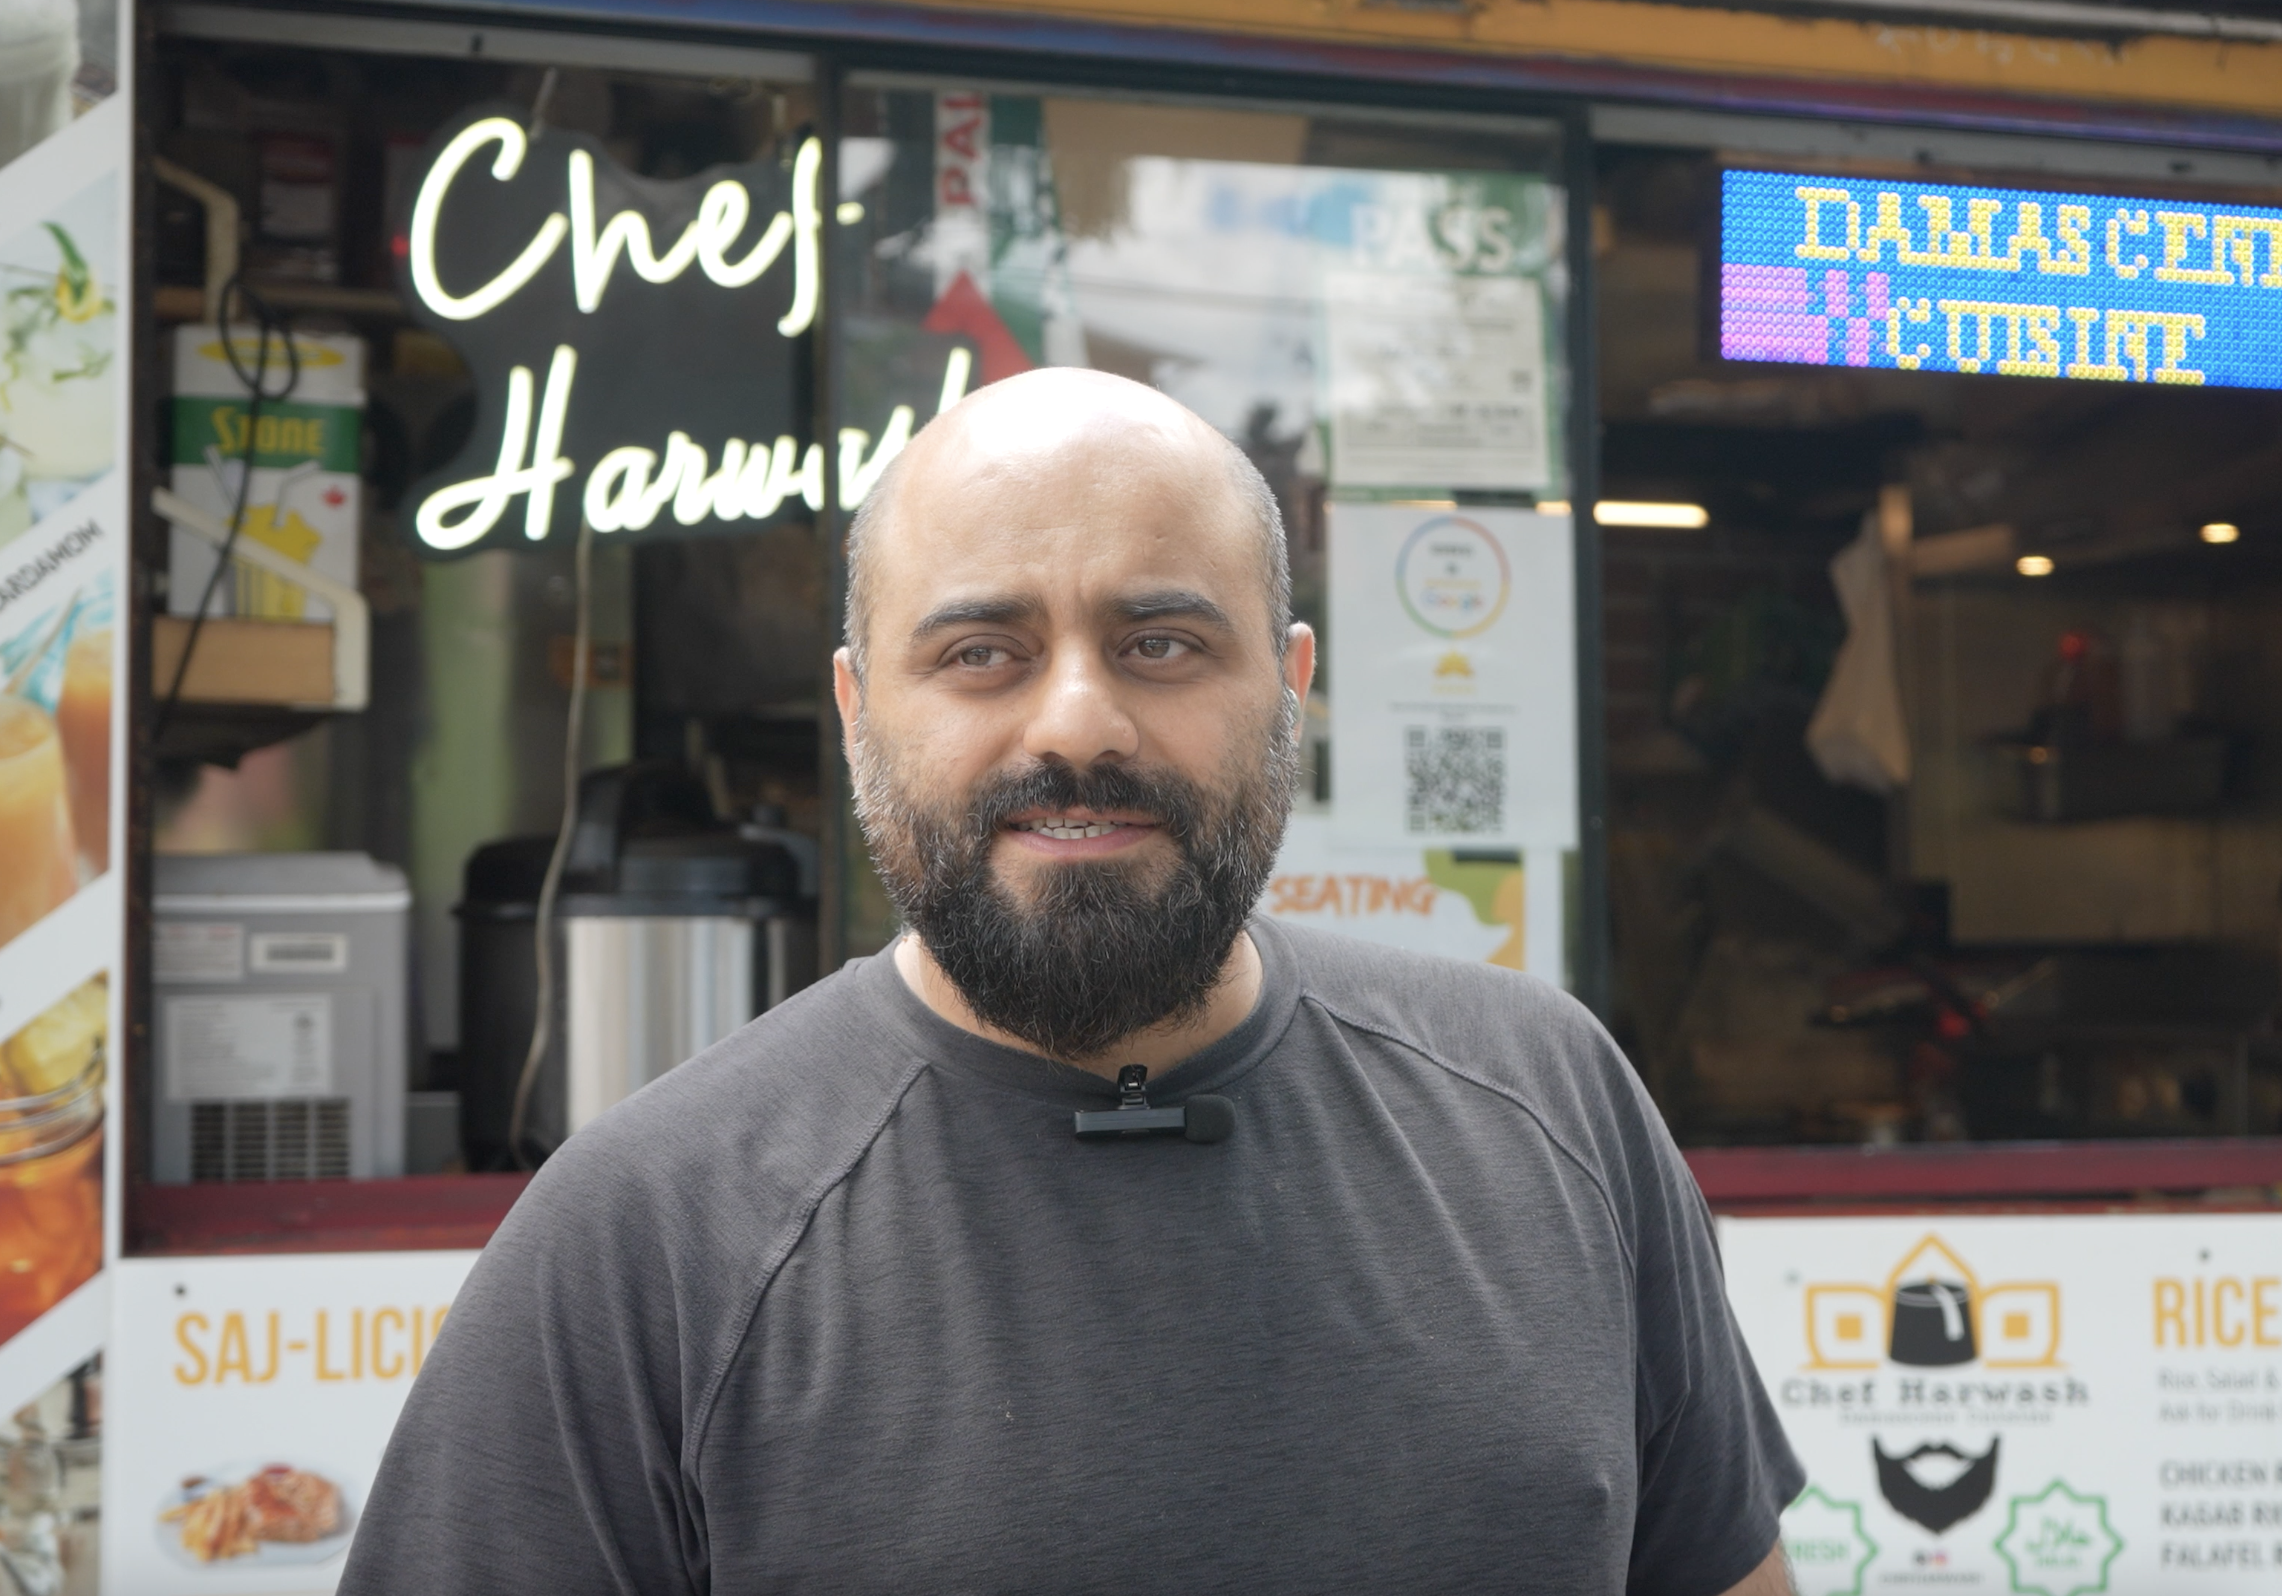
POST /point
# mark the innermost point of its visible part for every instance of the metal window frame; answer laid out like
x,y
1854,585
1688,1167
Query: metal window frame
x,y
1826,139
472,40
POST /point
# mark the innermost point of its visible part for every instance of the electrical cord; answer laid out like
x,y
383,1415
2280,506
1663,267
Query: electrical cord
x,y
270,325
543,922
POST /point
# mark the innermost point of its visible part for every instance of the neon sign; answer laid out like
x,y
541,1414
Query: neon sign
x,y
674,396
1831,271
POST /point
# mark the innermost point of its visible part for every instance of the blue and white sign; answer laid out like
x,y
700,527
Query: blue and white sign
x,y
1831,271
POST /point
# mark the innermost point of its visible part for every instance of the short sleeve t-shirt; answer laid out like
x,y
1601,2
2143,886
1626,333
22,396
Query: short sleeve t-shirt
x,y
843,1306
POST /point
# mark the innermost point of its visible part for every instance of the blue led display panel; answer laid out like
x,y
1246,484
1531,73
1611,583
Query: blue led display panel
x,y
1838,271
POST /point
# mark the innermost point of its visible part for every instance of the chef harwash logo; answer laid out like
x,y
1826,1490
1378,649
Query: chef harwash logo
x,y
1933,1312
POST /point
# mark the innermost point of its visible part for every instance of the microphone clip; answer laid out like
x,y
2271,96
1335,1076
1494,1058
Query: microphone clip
x,y
1200,1119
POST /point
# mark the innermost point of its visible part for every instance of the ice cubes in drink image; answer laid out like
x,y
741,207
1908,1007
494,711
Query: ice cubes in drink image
x,y
59,326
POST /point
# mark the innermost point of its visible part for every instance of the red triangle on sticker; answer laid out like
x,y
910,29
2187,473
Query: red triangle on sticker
x,y
963,312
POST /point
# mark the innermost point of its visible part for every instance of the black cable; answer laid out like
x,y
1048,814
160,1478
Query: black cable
x,y
271,325
519,1136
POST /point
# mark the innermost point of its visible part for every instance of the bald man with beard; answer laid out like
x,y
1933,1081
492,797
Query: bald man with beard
x,y
1424,1300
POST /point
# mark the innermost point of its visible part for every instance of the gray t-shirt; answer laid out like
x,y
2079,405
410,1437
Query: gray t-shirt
x,y
842,1306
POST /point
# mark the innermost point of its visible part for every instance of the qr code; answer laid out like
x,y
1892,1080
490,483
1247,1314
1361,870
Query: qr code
x,y
1455,779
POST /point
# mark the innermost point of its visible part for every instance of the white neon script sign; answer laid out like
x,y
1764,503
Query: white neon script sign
x,y
632,486
706,242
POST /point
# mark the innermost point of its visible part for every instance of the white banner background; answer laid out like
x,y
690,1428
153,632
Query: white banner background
x,y
219,1367
2116,1428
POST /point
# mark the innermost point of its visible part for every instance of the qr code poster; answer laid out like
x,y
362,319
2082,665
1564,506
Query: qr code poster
x,y
1451,668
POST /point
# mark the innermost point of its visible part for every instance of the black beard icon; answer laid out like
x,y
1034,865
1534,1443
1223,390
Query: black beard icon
x,y
1953,1503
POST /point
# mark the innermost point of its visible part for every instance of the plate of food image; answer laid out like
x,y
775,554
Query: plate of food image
x,y
255,1515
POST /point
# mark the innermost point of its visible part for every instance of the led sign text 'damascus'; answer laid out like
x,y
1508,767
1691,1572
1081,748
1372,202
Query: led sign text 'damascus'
x,y
673,388
2015,282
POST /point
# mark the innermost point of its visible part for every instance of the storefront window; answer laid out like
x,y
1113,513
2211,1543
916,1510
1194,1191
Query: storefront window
x,y
696,742
1374,310
1943,741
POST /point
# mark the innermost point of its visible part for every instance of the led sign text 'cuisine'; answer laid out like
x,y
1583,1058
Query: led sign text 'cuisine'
x,y
1830,271
622,357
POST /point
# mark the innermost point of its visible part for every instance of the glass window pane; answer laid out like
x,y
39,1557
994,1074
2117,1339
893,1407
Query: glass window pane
x,y
1373,309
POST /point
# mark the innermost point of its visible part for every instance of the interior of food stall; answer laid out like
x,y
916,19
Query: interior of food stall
x,y
2011,870
440,785
1178,243
1836,916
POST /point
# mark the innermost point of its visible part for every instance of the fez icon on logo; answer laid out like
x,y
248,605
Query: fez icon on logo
x,y
1933,1312
1937,1485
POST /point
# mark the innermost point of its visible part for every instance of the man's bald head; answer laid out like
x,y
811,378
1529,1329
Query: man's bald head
x,y
1077,430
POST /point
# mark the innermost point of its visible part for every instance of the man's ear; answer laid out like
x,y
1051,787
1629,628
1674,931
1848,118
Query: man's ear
x,y
848,694
1299,660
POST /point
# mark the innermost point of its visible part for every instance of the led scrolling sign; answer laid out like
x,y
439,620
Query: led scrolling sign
x,y
673,396
1828,271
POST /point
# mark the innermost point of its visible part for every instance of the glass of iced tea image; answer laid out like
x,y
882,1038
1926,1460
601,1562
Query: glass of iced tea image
x,y
83,719
51,1154
38,869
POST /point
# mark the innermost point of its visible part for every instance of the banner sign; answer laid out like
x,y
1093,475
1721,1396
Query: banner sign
x,y
66,137
1828,271
2025,1406
638,346
1452,674
1508,908
249,1401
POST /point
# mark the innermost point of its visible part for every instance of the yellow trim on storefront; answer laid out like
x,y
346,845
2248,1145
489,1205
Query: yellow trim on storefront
x,y
2166,71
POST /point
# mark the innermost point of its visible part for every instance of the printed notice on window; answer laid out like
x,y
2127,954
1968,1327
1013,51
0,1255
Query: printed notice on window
x,y
1453,680
231,1047
1437,382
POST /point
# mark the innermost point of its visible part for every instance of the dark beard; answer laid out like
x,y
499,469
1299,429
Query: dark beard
x,y
1104,948
1936,1508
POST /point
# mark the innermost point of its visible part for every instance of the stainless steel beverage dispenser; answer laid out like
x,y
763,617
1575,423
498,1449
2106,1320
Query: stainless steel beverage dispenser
x,y
672,930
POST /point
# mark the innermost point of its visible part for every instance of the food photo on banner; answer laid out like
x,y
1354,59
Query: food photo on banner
x,y
254,1397
2036,1406
59,549
65,138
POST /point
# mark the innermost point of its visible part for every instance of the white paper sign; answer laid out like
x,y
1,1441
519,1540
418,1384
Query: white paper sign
x,y
274,1045
1437,381
286,1373
1452,675
2047,1406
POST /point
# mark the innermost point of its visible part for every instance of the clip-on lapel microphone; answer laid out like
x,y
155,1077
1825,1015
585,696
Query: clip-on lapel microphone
x,y
1200,1119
